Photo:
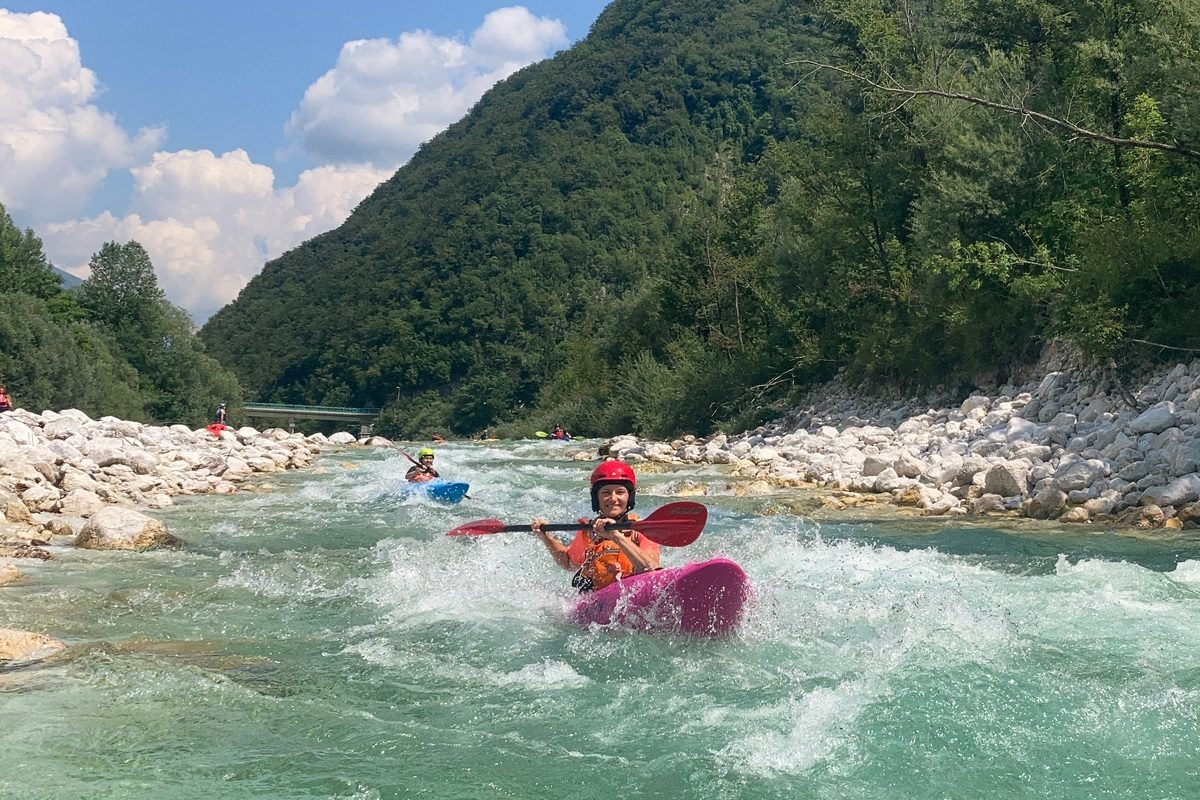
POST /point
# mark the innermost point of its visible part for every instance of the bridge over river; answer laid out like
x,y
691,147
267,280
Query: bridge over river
x,y
363,417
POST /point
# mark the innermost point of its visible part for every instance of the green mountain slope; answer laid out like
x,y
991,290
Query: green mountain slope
x,y
708,204
561,189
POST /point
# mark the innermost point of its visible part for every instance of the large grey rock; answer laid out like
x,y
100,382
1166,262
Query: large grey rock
x,y
1007,479
874,465
118,528
974,404
909,466
1046,503
1184,458
971,466
80,503
1078,474
61,428
41,498
1178,492
1155,419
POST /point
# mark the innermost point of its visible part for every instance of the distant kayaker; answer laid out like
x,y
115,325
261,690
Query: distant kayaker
x,y
559,433
599,556
423,471
437,438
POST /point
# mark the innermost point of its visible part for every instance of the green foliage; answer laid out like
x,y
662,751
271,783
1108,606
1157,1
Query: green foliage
x,y
122,292
23,265
416,418
676,224
1096,325
46,364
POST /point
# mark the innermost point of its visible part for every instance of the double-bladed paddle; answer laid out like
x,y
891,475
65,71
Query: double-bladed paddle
x,y
674,525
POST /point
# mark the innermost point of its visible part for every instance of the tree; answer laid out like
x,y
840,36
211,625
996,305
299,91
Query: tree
x,y
179,382
23,265
122,291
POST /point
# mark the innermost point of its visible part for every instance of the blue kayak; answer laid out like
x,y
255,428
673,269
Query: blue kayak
x,y
442,491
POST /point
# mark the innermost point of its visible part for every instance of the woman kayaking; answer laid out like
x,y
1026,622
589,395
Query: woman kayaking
x,y
599,556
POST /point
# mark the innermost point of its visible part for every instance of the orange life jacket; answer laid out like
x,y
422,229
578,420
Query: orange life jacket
x,y
602,563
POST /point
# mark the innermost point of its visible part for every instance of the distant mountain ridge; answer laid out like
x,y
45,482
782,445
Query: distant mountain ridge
x,y
68,280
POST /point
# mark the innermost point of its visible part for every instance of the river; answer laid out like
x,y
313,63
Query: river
x,y
325,639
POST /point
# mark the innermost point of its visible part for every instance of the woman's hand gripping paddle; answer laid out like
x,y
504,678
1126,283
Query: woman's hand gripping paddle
x,y
674,525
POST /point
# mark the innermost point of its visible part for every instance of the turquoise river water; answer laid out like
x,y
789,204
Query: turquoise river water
x,y
325,639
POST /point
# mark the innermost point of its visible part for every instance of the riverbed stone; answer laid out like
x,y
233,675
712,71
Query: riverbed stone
x,y
1078,474
80,503
8,572
1076,514
117,528
1178,492
1007,479
1155,419
23,646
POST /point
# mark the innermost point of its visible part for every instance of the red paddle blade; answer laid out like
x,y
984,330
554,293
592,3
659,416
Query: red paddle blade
x,y
675,524
480,527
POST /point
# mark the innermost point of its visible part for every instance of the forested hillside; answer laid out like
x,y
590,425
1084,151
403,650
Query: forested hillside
x,y
708,204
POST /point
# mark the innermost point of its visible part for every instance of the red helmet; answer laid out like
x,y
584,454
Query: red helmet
x,y
613,472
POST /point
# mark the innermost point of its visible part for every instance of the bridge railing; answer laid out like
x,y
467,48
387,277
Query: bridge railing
x,y
343,410
292,412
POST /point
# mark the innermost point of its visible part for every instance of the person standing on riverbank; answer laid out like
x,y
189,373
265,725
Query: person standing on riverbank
x,y
598,555
5,400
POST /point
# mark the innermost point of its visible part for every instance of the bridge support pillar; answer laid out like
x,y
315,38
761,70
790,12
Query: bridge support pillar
x,y
291,424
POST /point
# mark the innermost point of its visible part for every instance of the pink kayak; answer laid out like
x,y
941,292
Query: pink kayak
x,y
704,599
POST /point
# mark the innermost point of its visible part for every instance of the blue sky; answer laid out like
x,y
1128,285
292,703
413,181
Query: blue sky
x,y
220,134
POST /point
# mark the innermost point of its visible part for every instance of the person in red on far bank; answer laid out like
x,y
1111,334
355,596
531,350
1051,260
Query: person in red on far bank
x,y
600,557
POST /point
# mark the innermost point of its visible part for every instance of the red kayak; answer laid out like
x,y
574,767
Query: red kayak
x,y
705,599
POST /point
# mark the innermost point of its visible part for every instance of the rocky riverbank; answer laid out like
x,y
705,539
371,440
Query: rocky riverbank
x,y
67,480
1068,443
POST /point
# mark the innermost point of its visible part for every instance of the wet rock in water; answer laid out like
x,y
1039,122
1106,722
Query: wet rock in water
x,y
757,487
690,488
18,645
8,573
23,550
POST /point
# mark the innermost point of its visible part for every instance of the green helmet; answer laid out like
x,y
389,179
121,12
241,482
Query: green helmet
x,y
424,451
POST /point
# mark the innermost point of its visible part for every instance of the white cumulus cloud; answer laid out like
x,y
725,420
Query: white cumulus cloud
x,y
210,221
384,98
56,146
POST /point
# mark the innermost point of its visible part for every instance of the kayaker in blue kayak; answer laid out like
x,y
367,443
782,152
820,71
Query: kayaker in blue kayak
x,y
559,433
599,556
422,471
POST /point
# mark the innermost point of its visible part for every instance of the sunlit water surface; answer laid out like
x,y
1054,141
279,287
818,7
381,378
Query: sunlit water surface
x,y
326,640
